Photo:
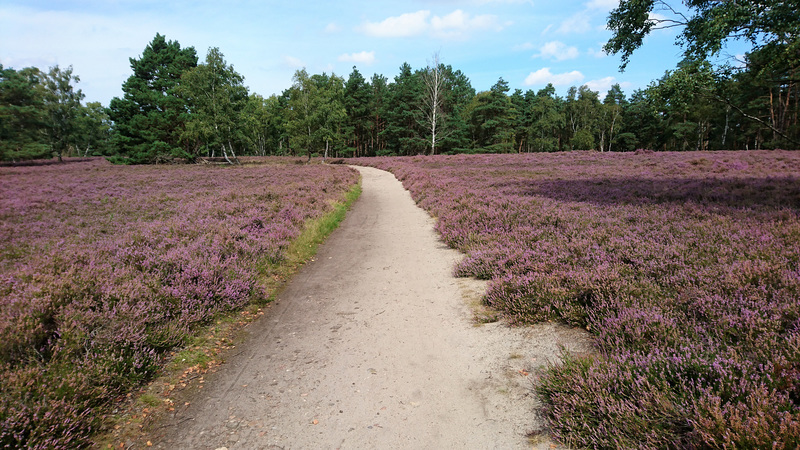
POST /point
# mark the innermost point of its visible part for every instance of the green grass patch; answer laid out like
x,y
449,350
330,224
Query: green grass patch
x,y
275,273
207,346
317,230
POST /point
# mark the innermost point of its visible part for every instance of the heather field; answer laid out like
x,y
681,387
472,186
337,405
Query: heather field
x,y
104,269
684,266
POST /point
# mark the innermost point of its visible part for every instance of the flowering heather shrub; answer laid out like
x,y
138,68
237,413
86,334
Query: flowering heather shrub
x,y
685,266
104,268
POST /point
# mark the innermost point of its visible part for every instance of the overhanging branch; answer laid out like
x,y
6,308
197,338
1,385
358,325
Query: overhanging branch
x,y
754,118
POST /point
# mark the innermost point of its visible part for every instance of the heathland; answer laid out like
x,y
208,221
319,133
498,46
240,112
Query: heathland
x,y
105,269
683,266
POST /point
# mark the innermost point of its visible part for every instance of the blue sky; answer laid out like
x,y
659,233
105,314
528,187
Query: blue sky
x,y
526,42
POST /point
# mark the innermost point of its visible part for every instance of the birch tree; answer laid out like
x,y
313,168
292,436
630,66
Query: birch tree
x,y
216,97
434,85
61,104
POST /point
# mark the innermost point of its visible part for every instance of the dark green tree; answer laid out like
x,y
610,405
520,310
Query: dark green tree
x,y
150,117
458,95
643,117
683,97
357,97
62,104
331,114
492,119
93,130
316,112
521,120
403,134
378,105
22,115
301,120
772,29
547,120
264,125
706,26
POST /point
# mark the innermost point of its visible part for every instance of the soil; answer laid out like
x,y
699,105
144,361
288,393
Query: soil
x,y
374,344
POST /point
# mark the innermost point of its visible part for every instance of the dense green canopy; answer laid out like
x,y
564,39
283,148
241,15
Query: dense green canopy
x,y
150,117
174,108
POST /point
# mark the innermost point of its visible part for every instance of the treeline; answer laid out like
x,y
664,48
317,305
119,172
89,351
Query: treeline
x,y
41,116
176,107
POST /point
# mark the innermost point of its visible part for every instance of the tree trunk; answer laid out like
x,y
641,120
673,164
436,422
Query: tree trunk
x,y
232,153
225,154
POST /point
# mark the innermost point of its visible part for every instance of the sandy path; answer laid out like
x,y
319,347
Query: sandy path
x,y
372,346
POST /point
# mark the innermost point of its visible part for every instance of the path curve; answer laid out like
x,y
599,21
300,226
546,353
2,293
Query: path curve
x,y
372,345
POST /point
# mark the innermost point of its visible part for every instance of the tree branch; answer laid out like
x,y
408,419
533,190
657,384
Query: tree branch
x,y
754,118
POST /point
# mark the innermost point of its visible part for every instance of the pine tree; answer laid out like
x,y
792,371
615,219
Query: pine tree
x,y
492,119
403,116
150,117
357,96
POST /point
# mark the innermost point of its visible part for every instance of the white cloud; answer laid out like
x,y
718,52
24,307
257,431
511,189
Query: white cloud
x,y
97,46
577,23
558,51
361,57
525,46
656,18
604,84
404,25
510,2
602,4
332,28
597,53
544,76
456,25
293,63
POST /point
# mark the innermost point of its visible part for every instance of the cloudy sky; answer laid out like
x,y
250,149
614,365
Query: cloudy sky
x,y
529,43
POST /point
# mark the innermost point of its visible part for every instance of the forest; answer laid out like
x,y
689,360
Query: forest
x,y
178,107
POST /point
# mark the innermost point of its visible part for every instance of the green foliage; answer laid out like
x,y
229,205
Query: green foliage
x,y
22,115
264,125
357,99
457,95
150,117
62,104
316,112
41,115
403,133
173,108
582,111
771,27
549,119
708,25
491,119
93,130
217,98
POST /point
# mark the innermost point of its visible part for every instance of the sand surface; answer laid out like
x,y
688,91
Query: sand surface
x,y
373,346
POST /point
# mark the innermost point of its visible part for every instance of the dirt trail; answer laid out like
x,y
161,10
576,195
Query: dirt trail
x,y
372,346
